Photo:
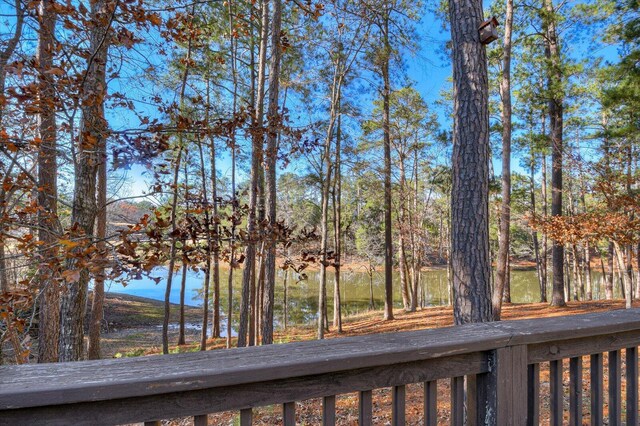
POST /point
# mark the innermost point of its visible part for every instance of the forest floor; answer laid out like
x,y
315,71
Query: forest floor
x,y
135,329
133,325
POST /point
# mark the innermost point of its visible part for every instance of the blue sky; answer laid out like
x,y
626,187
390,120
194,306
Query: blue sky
x,y
429,70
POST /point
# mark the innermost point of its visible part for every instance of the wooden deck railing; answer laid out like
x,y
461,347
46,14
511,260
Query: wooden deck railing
x,y
501,362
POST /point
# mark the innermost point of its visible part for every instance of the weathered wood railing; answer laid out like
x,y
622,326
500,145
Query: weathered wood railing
x,y
501,362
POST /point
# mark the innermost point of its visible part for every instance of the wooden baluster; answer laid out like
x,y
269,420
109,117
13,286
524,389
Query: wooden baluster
x,y
329,410
632,385
556,406
501,398
457,401
246,417
365,413
575,391
471,397
397,405
533,395
596,389
289,413
615,384
431,403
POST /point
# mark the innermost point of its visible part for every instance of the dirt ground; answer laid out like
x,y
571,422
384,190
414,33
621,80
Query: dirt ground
x,y
133,325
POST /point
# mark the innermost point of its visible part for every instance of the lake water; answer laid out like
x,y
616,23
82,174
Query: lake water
x,y
302,296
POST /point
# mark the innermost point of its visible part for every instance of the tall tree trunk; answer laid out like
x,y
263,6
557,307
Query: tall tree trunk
x,y
183,289
470,259
626,279
567,276
337,227
174,206
556,100
234,200
326,183
285,302
215,241
587,271
578,283
388,239
402,220
534,235
172,249
372,304
506,295
416,259
97,304
257,154
545,211
603,278
608,289
587,247
93,129
505,209
260,290
49,325
326,175
183,280
5,55
402,269
274,119
212,246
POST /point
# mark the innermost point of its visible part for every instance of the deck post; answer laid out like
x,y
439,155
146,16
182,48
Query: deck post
x,y
501,392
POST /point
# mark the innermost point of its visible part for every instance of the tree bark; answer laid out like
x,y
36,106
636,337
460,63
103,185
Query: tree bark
x,y
212,246
97,303
257,154
402,220
545,211
183,280
271,160
234,200
388,238
49,324
93,129
372,304
337,226
534,236
215,241
336,90
172,251
587,271
505,209
626,279
555,101
326,183
470,260
174,206
183,288
609,282
402,269
416,252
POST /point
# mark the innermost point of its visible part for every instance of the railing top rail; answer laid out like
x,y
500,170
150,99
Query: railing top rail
x,y
65,383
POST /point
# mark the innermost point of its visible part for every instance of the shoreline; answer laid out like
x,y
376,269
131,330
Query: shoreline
x,y
135,323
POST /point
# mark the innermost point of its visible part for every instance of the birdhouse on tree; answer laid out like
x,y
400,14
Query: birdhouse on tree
x,y
488,30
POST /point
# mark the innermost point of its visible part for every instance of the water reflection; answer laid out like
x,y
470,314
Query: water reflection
x,y
302,296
